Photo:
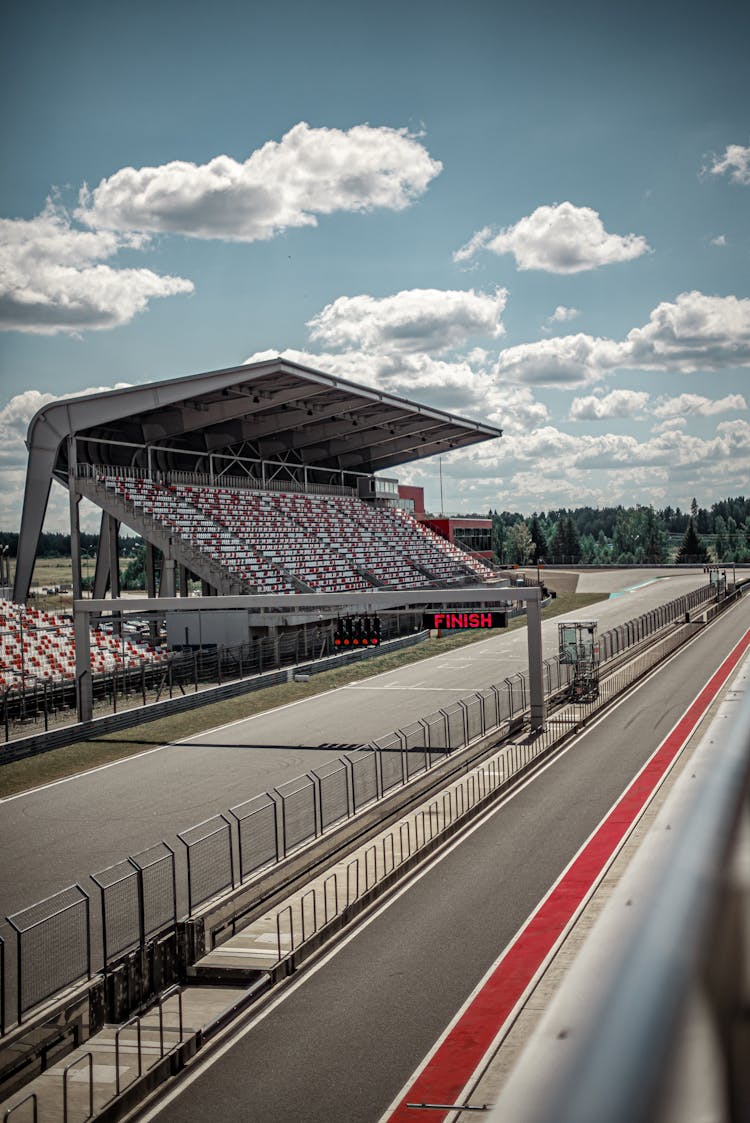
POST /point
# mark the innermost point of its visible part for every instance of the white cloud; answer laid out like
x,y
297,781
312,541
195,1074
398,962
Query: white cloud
x,y
15,416
561,238
678,423
736,161
562,314
618,403
283,184
477,242
548,467
378,341
565,360
52,279
456,385
695,332
430,320
696,405
719,240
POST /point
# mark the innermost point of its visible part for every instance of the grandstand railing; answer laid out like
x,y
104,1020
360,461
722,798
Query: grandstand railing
x,y
267,828
202,479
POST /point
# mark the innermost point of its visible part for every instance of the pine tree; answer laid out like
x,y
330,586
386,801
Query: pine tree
x,y
654,538
692,548
538,540
572,540
557,542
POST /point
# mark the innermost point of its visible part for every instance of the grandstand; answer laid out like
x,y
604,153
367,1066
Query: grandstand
x,y
38,647
286,542
264,479
261,478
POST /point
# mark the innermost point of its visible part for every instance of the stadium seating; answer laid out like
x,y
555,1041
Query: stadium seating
x,y
282,542
38,646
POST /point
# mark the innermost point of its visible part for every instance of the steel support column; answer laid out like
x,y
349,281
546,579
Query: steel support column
x,y
84,682
538,712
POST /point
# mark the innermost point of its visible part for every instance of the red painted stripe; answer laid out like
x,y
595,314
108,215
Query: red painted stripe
x,y
451,1066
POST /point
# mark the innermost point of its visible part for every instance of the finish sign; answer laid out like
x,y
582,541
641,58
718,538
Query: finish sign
x,y
453,621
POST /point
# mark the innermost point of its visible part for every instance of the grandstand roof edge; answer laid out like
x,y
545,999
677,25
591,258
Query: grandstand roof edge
x,y
160,395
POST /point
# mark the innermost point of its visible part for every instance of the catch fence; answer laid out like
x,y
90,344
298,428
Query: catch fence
x,y
34,704
138,897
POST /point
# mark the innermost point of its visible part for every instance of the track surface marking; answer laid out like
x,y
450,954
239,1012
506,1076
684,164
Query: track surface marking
x,y
449,1067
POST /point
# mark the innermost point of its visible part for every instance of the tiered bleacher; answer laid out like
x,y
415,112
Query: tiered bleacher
x,y
282,542
462,556
38,646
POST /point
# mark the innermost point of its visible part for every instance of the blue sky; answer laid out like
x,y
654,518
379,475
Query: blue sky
x,y
532,214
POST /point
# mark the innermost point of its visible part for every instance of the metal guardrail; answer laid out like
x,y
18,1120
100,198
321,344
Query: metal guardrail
x,y
184,681
672,1008
457,802
294,815
82,1067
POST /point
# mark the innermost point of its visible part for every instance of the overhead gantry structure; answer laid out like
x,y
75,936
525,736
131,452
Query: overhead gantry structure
x,y
377,601
273,421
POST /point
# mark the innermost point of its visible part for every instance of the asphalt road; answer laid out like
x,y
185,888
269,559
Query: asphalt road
x,y
340,1046
59,834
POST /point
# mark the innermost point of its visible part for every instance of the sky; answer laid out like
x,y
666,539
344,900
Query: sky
x,y
534,215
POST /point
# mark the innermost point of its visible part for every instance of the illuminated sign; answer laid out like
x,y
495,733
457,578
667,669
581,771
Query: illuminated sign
x,y
451,621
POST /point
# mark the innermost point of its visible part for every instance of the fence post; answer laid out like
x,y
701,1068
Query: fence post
x,y
465,716
2,986
511,700
446,732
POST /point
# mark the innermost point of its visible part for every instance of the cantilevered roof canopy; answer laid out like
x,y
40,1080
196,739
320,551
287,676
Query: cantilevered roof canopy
x,y
270,411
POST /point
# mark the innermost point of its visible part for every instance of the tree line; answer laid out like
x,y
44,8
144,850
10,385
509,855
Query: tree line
x,y
588,535
625,535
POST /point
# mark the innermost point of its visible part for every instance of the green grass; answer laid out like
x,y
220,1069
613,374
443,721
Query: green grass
x,y
54,765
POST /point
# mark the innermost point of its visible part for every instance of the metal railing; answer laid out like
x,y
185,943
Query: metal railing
x,y
460,799
218,480
82,1067
134,908
32,1099
31,703
670,1011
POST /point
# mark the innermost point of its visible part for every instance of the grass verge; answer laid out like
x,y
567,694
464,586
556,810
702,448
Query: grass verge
x,y
22,775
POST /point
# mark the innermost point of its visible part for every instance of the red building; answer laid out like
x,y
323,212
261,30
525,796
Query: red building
x,y
472,534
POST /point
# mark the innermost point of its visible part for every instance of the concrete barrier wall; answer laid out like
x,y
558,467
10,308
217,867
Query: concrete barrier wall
x,y
126,719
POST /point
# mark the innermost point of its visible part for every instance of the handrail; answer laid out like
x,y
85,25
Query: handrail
x,y
134,1021
87,1056
617,1065
31,1096
171,992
